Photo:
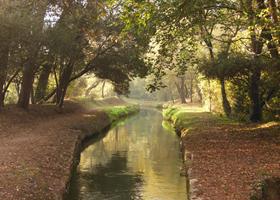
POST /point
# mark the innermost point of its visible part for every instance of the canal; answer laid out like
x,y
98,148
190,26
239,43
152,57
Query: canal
x,y
136,159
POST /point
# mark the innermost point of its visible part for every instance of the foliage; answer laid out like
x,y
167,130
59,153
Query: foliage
x,y
231,44
72,38
226,40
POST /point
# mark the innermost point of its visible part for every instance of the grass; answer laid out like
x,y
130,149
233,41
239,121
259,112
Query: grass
x,y
114,107
117,112
192,117
168,126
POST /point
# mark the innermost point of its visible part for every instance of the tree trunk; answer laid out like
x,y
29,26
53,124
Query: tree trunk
x,y
181,89
274,15
94,85
63,84
273,10
27,84
30,67
226,105
103,87
210,95
4,55
43,83
171,94
191,90
256,109
198,91
257,47
187,94
183,94
32,96
2,99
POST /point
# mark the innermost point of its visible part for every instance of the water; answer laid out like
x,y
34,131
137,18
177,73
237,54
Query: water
x,y
137,159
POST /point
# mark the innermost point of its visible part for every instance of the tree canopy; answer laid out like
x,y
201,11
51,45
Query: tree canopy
x,y
230,44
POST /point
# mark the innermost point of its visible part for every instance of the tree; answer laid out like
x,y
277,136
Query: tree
x,y
42,85
224,27
105,49
35,12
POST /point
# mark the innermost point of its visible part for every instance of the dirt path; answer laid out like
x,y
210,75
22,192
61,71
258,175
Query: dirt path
x,y
37,149
228,160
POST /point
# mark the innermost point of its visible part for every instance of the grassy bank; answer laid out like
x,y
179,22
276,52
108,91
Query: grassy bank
x,y
114,107
226,159
188,118
118,112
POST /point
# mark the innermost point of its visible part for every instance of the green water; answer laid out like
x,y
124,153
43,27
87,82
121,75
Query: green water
x,y
137,159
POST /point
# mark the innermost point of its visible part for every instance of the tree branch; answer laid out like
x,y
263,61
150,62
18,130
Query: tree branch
x,y
10,81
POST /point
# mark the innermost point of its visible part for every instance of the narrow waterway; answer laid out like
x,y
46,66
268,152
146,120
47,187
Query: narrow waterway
x,y
137,159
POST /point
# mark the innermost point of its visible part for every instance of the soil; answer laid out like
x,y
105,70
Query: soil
x,y
228,161
37,148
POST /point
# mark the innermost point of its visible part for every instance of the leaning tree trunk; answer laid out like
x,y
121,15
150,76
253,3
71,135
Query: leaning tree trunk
x,y
63,84
94,85
4,55
103,88
226,105
41,89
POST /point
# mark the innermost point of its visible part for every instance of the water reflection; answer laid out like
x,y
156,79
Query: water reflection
x,y
136,160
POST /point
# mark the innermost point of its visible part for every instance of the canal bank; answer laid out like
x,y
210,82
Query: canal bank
x,y
225,159
38,147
